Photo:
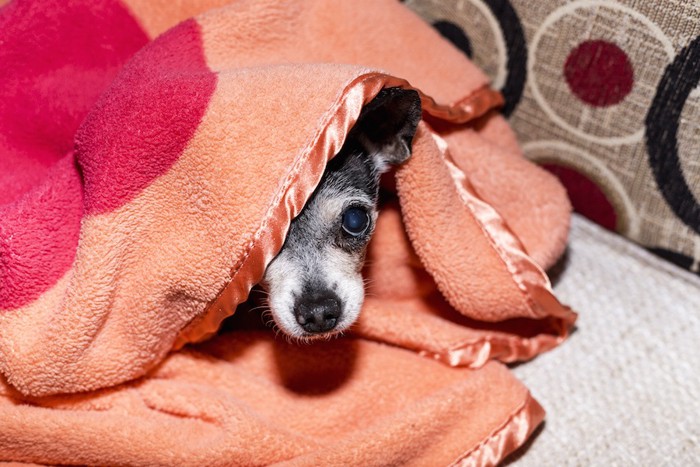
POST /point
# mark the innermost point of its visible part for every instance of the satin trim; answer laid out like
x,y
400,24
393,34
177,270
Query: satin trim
x,y
303,177
507,438
481,101
529,277
469,108
506,348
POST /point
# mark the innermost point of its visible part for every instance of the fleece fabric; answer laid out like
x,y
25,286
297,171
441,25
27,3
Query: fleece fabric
x,y
145,185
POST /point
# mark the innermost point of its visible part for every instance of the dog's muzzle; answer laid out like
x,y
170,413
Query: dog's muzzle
x,y
318,313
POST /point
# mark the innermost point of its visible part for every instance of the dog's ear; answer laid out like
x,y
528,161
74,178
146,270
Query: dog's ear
x,y
387,125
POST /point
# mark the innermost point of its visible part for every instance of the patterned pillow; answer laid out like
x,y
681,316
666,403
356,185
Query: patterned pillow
x,y
604,94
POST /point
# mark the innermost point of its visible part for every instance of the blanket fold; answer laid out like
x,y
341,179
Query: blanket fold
x,y
140,213
211,405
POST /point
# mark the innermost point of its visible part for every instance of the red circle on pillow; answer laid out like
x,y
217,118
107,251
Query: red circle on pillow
x,y
587,198
599,73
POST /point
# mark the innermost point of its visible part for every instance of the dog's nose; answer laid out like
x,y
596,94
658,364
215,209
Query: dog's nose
x,y
318,313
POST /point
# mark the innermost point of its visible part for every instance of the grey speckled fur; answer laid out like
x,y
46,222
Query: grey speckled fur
x,y
319,266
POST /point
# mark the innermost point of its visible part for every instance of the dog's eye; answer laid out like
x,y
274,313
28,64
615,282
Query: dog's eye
x,y
355,221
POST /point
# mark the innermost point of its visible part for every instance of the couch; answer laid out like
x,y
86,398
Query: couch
x,y
602,94
624,389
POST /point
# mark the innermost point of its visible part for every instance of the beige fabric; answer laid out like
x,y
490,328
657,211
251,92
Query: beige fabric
x,y
644,31
625,390
607,145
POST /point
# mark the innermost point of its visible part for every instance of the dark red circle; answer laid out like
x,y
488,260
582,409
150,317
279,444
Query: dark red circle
x,y
599,73
586,196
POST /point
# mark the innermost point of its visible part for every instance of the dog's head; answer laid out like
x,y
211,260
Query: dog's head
x,y
315,283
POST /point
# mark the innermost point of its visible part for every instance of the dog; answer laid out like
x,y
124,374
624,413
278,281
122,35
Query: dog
x,y
315,286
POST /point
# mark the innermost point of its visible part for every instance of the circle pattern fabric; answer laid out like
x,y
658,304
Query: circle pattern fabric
x,y
609,102
599,73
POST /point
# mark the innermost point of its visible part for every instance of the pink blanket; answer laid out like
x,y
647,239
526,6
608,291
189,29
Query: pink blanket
x,y
145,185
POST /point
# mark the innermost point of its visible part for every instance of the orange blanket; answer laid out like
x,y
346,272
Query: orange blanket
x,y
144,186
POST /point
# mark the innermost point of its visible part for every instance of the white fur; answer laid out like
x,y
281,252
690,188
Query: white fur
x,y
339,269
329,266
283,281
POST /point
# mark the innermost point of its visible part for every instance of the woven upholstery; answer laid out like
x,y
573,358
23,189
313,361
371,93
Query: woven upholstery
x,y
624,389
603,94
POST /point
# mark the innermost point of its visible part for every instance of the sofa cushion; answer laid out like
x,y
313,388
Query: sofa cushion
x,y
603,94
625,387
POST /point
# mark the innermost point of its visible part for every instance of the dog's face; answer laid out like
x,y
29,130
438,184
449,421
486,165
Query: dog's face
x,y
315,283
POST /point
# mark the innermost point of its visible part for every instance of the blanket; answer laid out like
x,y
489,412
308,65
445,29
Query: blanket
x,y
150,165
